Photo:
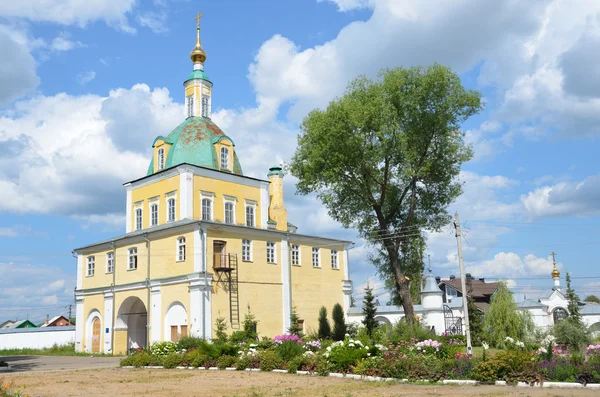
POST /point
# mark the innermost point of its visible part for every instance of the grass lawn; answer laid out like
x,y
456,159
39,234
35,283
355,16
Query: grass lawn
x,y
63,350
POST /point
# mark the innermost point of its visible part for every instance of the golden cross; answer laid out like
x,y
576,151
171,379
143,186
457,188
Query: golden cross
x,y
198,19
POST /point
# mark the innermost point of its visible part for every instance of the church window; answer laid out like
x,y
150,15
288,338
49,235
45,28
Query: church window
x,y
138,219
334,259
132,259
154,215
295,255
206,209
190,105
181,249
229,212
110,262
250,215
91,265
161,158
246,250
171,210
204,106
316,261
224,158
271,252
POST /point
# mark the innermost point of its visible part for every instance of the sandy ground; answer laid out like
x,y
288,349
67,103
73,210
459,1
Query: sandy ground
x,y
142,382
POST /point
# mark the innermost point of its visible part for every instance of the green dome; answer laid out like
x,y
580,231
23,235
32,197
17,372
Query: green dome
x,y
193,142
197,74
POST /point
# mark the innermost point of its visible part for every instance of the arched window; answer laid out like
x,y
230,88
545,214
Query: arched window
x,y
229,212
224,158
161,158
559,314
206,209
171,210
181,249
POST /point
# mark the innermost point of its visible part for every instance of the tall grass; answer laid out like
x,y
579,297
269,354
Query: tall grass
x,y
55,350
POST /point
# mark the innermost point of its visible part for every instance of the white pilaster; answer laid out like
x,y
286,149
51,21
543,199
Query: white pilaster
x,y
198,249
286,284
108,322
346,265
264,205
156,320
347,290
79,321
128,204
200,308
206,296
186,199
195,310
80,271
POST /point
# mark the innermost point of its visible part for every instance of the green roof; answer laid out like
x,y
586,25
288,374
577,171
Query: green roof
x,y
193,143
197,74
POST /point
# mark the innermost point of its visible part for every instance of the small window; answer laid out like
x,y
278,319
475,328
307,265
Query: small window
x,y
224,158
133,262
334,259
154,215
205,109
138,219
206,209
271,252
161,158
91,265
190,105
181,249
171,210
229,212
295,255
250,215
246,250
110,262
315,257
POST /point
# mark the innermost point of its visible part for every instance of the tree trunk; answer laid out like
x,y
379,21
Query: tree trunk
x,y
402,284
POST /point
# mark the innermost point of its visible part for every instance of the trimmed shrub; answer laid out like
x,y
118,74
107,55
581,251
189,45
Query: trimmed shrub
x,y
227,349
269,360
195,358
189,343
324,327
173,360
339,324
302,363
226,361
138,359
289,349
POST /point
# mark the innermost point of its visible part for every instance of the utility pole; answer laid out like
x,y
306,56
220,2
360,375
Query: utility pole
x,y
463,284
69,318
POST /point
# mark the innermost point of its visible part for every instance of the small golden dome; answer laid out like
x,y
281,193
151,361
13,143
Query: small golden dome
x,y
555,272
198,55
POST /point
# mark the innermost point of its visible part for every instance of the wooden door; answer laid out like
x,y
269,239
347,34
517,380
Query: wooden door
x,y
183,330
96,335
174,333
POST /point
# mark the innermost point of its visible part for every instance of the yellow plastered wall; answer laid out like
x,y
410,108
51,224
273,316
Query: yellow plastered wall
x,y
125,276
225,143
220,188
120,342
100,277
160,189
316,287
91,303
163,255
171,294
259,284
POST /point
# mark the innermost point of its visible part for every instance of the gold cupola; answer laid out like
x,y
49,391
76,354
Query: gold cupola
x,y
198,56
555,272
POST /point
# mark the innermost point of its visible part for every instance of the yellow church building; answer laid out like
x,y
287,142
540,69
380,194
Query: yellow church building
x,y
203,241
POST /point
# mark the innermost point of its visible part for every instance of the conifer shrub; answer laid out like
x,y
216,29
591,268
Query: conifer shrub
x,y
324,327
339,324
220,328
189,342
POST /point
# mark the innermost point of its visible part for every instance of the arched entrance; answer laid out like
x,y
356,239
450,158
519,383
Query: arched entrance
x,y
96,335
176,322
93,332
133,317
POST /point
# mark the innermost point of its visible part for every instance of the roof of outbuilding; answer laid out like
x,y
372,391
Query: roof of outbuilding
x,y
481,289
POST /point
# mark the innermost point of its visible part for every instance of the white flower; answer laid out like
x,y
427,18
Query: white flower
x,y
509,339
485,345
519,343
368,354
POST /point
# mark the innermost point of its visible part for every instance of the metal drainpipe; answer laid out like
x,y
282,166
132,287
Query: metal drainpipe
x,y
148,310
203,240
114,317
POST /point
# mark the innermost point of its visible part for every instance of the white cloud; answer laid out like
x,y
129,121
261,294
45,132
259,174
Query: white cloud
x,y
510,264
85,77
153,20
347,5
18,76
63,43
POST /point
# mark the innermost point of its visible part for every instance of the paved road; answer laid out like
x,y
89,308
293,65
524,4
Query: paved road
x,y
57,363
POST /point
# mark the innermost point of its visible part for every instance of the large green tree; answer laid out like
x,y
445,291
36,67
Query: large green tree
x,y
573,306
592,299
385,158
504,319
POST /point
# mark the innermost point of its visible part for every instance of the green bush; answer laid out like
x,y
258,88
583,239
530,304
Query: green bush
x,y
575,335
138,359
302,363
239,336
345,355
163,348
189,342
322,368
372,366
173,360
269,360
211,350
227,349
289,349
509,365
487,371
403,331
226,361
248,361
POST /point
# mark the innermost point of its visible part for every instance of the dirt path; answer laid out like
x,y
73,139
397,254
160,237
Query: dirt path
x,y
131,382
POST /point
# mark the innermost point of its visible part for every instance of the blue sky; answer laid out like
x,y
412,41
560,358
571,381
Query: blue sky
x,y
86,86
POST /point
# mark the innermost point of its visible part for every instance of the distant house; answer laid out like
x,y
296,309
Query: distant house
x,y
17,324
57,321
481,294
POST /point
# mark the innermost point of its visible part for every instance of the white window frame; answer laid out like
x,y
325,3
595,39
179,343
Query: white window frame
x,y
296,250
180,252
211,208
335,264
205,101
138,218
271,252
224,155
246,250
91,266
151,220
169,198
160,158
316,250
132,259
252,205
110,262
232,203
190,105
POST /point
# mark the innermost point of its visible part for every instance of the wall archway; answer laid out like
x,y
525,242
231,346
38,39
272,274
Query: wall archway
x,y
383,320
559,314
133,317
595,327
175,322
93,340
